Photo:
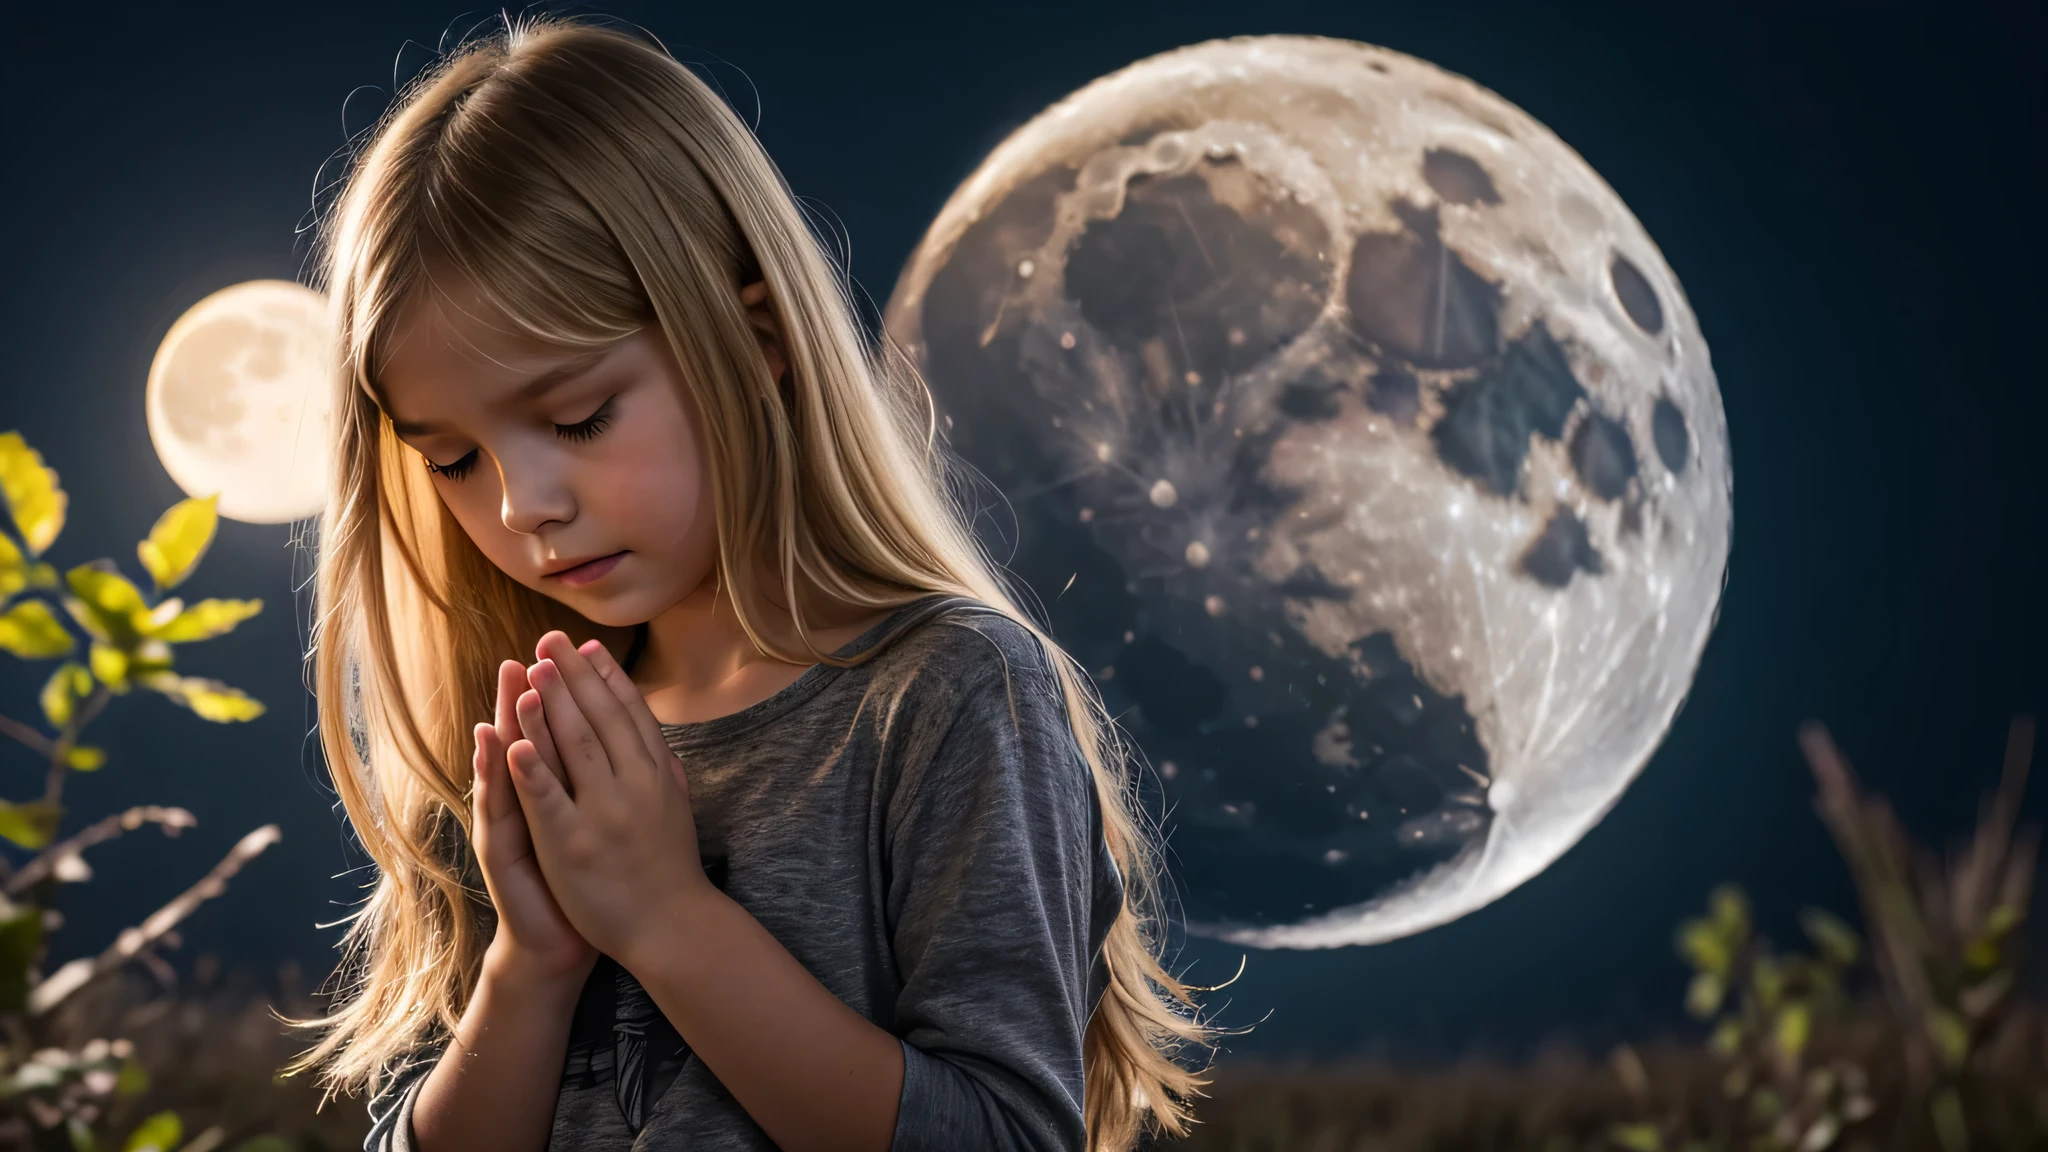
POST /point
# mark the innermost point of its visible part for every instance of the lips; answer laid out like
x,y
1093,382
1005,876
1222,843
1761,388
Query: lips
x,y
587,571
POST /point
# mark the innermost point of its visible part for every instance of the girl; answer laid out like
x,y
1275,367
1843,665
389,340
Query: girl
x,y
816,841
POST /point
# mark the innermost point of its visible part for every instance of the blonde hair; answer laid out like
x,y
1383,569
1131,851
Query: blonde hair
x,y
589,185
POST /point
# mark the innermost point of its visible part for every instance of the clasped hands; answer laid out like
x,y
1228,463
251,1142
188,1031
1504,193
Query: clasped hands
x,y
581,816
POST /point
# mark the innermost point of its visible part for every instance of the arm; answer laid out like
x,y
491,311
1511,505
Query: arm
x,y
812,1072
495,1084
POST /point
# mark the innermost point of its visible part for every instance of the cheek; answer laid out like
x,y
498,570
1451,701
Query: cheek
x,y
653,485
477,503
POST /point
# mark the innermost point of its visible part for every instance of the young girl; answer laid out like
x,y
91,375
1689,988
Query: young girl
x,y
815,841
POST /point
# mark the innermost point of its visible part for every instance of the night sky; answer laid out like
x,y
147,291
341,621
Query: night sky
x,y
1850,194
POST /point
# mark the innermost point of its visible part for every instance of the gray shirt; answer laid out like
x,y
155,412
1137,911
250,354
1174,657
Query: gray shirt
x,y
922,833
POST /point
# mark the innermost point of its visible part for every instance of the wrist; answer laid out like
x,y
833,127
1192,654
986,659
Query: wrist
x,y
509,969
676,928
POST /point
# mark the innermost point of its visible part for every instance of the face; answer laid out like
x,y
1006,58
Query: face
x,y
579,473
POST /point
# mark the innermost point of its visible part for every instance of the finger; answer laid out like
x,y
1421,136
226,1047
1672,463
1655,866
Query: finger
x,y
533,726
490,754
629,698
583,754
511,682
549,810
608,719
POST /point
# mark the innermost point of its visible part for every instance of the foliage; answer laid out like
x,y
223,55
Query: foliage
x,y
57,1091
1914,1040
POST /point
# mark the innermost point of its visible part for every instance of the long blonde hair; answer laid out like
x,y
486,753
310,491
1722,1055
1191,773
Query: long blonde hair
x,y
590,185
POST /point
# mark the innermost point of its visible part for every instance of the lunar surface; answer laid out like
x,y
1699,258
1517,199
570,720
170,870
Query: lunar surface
x,y
1362,445
238,400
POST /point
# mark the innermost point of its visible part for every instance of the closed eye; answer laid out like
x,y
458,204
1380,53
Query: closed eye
x,y
456,470
588,428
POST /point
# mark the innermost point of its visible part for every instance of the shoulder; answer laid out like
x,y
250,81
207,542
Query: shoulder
x,y
964,647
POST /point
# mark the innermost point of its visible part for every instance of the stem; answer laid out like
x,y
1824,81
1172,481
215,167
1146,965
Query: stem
x,y
27,735
53,784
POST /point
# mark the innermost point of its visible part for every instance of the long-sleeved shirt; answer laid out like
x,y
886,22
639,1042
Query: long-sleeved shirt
x,y
922,833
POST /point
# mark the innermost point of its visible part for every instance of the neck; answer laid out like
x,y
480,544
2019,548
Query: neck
x,y
697,651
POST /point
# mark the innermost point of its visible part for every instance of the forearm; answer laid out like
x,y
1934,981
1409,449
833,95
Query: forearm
x,y
812,1072
495,1085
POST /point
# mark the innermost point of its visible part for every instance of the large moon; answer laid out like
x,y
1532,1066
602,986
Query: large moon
x,y
1362,444
238,401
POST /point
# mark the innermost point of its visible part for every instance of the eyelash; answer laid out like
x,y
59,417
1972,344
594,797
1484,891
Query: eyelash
x,y
586,429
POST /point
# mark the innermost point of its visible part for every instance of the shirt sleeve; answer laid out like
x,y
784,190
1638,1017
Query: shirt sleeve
x,y
990,843
391,1110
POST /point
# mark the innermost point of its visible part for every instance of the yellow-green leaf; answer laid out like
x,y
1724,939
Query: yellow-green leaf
x,y
206,619
32,493
1795,1028
134,1079
33,632
210,699
109,666
108,605
1637,1137
1727,1038
1703,946
84,758
1950,1034
29,825
61,693
1835,939
1703,995
178,540
13,568
159,1133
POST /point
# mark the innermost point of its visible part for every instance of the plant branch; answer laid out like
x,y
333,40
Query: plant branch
x,y
173,820
53,784
27,735
78,973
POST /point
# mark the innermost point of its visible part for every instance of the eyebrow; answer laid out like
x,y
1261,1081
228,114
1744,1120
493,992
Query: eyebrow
x,y
533,389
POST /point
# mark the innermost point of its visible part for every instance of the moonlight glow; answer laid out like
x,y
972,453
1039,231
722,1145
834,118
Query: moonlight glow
x,y
238,400
1372,451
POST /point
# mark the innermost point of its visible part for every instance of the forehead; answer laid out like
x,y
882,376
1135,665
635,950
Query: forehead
x,y
450,346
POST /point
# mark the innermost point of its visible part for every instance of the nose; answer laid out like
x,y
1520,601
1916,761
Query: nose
x,y
534,497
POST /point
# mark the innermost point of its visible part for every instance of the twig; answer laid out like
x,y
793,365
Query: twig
x,y
53,784
27,735
173,820
78,973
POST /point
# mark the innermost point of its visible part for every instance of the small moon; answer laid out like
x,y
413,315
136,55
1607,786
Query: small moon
x,y
238,400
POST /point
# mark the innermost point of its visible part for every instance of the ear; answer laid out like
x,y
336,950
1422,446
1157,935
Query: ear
x,y
761,314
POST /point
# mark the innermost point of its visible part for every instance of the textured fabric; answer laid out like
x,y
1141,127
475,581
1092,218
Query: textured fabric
x,y
922,834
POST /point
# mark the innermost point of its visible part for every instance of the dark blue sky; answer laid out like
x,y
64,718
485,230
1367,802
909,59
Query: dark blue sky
x,y
1850,194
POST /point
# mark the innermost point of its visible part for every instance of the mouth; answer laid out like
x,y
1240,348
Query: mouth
x,y
585,571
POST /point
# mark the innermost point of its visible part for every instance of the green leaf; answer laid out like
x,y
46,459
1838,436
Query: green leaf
x,y
82,1139
32,494
1832,936
1727,1038
265,1144
1767,980
1637,1137
1951,1128
205,620
1795,1028
21,937
33,632
178,540
30,825
106,604
133,1079
159,1133
1703,997
211,699
85,759
69,684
